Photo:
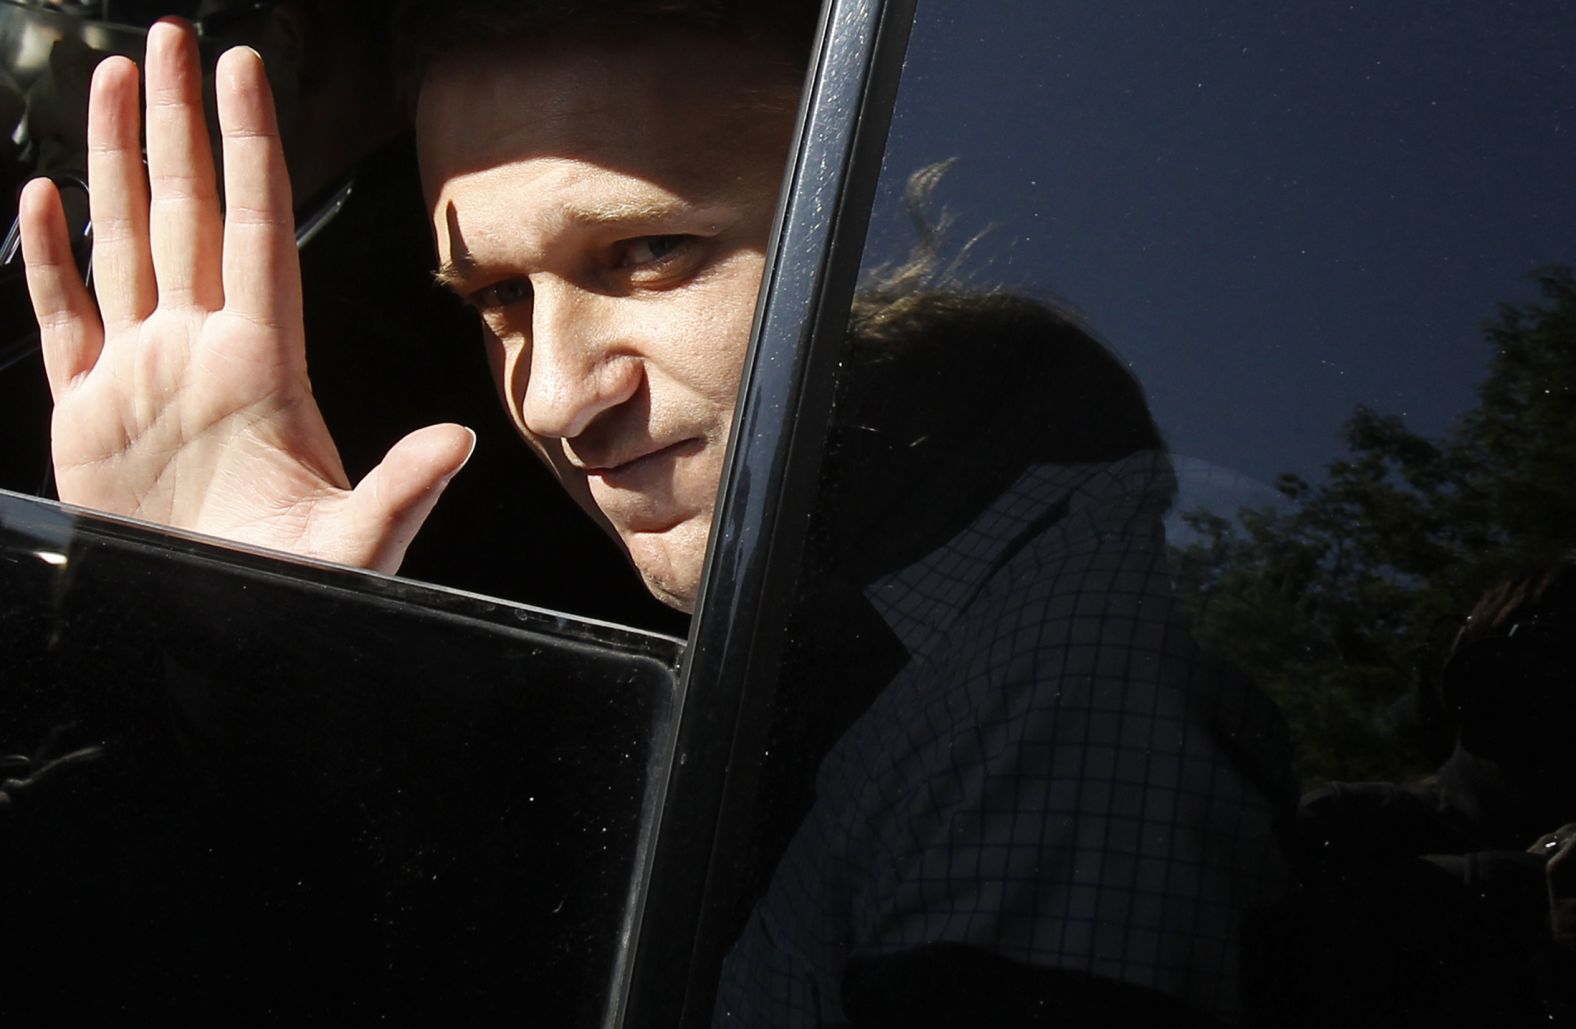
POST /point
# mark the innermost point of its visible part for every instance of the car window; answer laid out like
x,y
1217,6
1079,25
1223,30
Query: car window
x,y
236,785
1188,580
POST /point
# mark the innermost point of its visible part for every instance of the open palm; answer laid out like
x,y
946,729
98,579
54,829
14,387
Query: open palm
x,y
182,397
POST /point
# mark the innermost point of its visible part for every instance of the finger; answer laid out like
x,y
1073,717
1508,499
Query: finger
x,y
395,498
184,226
262,271
70,334
118,197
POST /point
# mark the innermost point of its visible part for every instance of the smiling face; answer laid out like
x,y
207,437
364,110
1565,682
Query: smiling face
x,y
606,210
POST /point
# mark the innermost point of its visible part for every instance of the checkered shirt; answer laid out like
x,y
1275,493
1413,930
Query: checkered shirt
x,y
1057,776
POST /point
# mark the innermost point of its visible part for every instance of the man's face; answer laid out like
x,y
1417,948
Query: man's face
x,y
606,210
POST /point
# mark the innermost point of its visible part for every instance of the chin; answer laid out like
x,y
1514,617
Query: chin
x,y
674,587
680,598
670,562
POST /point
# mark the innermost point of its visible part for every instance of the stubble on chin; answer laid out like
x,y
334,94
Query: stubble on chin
x,y
670,562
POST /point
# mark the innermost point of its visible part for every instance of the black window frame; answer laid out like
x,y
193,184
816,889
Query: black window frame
x,y
686,893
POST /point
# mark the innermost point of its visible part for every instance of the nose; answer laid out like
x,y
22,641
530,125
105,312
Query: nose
x,y
580,364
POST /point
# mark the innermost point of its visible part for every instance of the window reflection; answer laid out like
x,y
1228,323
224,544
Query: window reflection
x,y
1031,769
1080,562
1342,600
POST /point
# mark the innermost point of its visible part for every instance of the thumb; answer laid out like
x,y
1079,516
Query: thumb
x,y
395,498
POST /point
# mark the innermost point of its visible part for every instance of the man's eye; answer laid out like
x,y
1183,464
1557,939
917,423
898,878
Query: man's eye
x,y
650,249
502,294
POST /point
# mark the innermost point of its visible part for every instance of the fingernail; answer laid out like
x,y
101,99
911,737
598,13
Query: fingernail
x,y
164,26
238,51
464,460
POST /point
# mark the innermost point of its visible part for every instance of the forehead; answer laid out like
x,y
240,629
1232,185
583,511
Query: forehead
x,y
682,112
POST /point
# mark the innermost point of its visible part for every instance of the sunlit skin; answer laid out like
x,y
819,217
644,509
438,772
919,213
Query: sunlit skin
x,y
606,211
180,385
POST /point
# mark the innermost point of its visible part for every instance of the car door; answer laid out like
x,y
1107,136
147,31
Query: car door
x,y
1253,324
237,783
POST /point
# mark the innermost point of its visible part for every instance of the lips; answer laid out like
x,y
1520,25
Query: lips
x,y
656,490
623,469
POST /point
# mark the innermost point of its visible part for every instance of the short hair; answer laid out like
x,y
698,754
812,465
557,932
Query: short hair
x,y
1081,403
430,31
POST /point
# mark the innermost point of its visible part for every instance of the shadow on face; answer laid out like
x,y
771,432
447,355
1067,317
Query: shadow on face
x,y
605,210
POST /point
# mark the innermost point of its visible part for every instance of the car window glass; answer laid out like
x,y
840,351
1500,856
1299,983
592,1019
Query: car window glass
x,y
231,785
1209,368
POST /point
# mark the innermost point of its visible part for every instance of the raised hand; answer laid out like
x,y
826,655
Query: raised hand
x,y
182,396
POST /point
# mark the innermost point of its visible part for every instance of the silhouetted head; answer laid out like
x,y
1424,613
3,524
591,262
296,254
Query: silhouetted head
x,y
947,397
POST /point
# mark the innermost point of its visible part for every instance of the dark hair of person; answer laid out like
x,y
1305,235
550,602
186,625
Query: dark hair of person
x,y
1023,370
948,393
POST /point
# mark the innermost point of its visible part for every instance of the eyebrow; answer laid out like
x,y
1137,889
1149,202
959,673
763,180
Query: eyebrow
x,y
453,273
461,265
633,211
624,211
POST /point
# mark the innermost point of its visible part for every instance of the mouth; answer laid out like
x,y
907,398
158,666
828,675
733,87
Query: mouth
x,y
624,470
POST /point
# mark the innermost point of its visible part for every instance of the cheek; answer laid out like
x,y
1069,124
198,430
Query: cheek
x,y
713,329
